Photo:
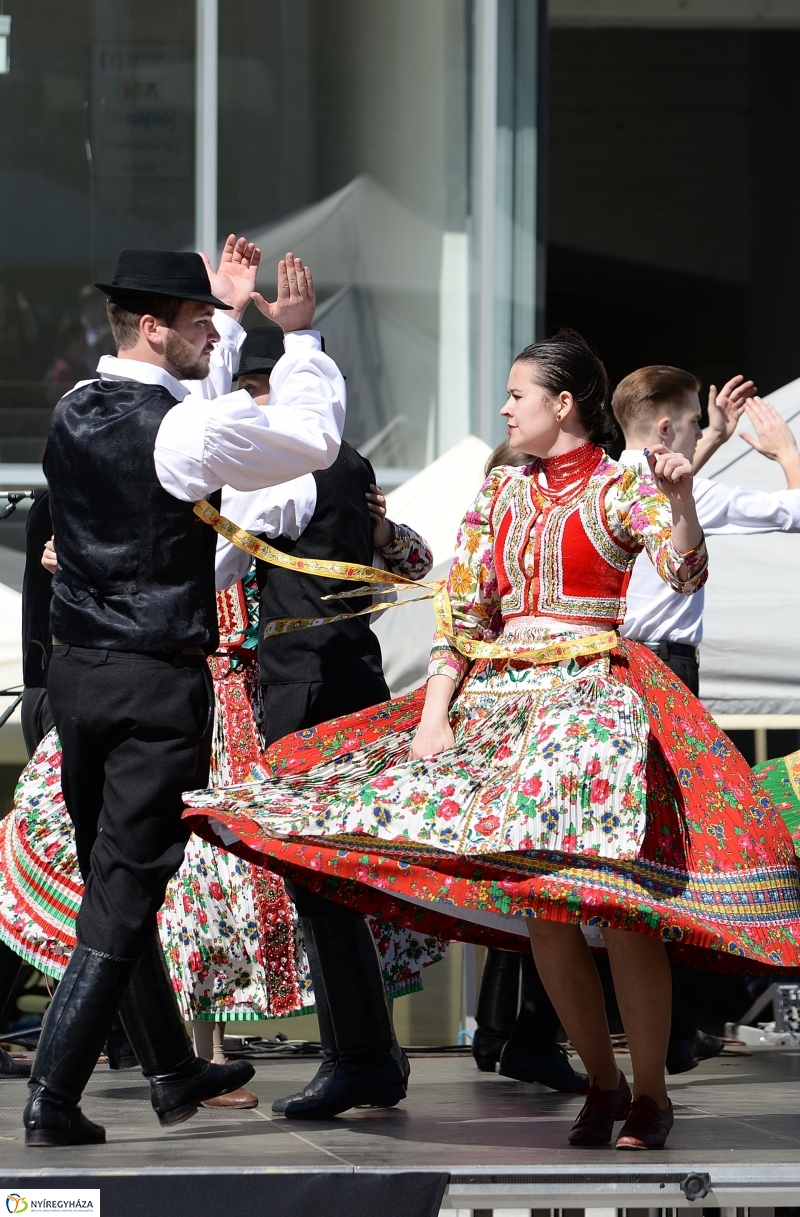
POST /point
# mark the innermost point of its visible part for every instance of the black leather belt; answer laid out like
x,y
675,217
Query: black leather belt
x,y
665,649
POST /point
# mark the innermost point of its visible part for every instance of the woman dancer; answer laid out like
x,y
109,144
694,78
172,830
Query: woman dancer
x,y
572,780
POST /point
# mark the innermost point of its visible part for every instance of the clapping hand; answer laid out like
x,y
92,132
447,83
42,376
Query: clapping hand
x,y
235,277
773,438
726,407
296,300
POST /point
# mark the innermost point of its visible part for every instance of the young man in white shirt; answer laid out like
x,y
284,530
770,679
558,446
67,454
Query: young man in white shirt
x,y
133,617
661,405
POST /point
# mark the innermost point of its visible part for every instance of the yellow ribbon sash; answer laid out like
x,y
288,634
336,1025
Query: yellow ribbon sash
x,y
544,652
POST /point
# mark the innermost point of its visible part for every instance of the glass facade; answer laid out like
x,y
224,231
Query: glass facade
x,y
358,133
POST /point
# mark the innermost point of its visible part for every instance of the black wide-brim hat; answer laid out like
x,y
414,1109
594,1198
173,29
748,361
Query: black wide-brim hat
x,y
161,272
261,350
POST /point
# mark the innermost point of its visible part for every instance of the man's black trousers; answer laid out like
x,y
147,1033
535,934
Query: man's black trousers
x,y
293,707
135,732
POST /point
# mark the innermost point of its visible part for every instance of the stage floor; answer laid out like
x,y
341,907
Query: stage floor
x,y
738,1119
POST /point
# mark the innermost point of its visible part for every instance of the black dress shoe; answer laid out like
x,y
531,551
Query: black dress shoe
x,y
358,1079
49,1122
548,1068
9,1068
362,1065
177,1095
683,1055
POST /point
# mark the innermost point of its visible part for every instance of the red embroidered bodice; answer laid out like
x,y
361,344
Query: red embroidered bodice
x,y
557,559
563,551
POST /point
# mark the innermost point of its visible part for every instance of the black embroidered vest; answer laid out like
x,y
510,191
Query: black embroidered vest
x,y
136,566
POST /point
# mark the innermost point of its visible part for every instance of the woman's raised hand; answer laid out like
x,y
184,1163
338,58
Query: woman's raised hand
x,y
672,472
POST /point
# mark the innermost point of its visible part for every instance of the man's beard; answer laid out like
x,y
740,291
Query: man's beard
x,y
183,358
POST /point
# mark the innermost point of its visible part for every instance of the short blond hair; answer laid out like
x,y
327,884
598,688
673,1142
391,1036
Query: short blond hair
x,y
638,398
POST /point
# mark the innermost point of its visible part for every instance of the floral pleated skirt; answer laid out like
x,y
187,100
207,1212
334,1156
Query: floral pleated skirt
x,y
596,791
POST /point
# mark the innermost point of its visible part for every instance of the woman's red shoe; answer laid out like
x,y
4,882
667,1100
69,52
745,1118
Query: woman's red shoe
x,y
595,1124
647,1126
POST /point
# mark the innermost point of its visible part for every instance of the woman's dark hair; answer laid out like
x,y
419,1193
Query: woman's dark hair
x,y
565,363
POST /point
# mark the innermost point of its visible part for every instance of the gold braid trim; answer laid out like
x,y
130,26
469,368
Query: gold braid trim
x,y
544,652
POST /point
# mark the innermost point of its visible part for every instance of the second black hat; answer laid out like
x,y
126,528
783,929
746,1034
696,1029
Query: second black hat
x,y
262,349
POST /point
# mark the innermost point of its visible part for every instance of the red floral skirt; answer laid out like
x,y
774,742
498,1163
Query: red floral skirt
x,y
716,875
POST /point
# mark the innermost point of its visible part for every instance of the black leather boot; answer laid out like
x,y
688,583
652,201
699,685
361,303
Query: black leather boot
x,y
118,1050
686,1054
73,1033
532,1052
497,1007
362,1067
179,1081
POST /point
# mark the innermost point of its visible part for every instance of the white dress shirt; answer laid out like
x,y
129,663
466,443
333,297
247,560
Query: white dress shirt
x,y
208,441
654,611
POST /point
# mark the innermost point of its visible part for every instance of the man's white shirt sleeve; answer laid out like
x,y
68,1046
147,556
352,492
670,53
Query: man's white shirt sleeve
x,y
203,445
735,510
654,611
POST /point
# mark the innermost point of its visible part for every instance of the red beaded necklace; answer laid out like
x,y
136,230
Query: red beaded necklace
x,y
568,474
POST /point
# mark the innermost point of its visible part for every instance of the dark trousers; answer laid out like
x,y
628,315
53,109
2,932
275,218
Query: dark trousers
x,y
37,718
135,733
293,707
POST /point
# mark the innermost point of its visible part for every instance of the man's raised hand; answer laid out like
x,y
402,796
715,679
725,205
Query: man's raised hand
x,y
235,277
726,407
296,300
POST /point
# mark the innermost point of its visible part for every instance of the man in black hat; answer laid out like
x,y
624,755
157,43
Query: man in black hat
x,y
133,618
308,677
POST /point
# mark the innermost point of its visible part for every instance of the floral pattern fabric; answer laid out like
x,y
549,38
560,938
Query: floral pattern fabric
x,y
407,553
515,554
781,780
547,757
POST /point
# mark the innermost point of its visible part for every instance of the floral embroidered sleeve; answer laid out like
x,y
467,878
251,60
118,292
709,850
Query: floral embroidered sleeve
x,y
407,553
472,586
642,514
